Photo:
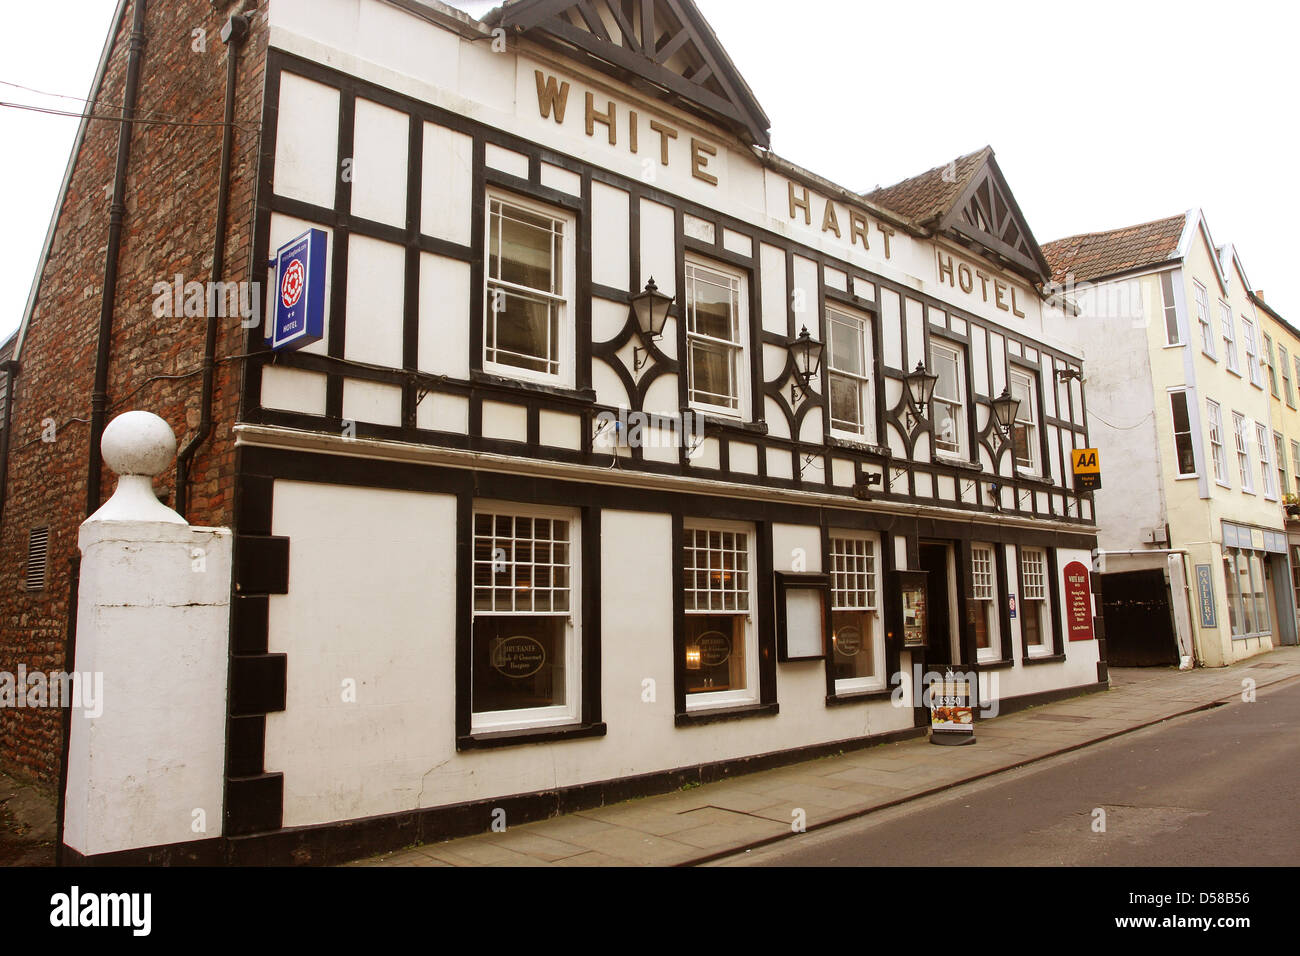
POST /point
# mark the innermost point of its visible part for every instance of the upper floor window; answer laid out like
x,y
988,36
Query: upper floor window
x,y
1203,319
852,409
1229,336
1265,460
948,404
1183,446
857,639
717,319
1295,464
1215,417
1252,352
1279,449
1242,436
1284,363
1272,372
1024,388
1170,308
528,327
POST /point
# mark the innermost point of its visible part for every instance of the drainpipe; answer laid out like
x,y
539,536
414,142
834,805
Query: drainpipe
x,y
117,211
233,35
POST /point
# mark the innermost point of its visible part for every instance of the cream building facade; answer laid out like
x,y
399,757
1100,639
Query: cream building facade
x,y
1192,545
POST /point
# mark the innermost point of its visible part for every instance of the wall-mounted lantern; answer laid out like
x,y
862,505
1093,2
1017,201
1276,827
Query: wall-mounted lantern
x,y
920,385
807,363
1005,408
651,307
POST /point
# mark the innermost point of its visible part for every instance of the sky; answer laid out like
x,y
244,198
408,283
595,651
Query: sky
x,y
1101,115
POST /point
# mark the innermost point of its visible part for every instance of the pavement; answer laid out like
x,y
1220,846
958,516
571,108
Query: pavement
x,y
27,822
704,823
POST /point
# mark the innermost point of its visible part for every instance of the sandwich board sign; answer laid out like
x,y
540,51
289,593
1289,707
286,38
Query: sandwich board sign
x,y
1087,468
300,291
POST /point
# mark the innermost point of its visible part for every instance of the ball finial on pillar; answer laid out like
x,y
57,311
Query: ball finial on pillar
x,y
139,446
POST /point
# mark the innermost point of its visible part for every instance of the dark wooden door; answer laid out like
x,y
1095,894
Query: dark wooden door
x,y
1139,620
934,561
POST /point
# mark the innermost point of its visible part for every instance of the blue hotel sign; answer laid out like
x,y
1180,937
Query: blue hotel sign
x,y
300,291
1205,596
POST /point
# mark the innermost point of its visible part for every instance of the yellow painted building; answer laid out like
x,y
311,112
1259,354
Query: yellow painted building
x,y
1193,549
1282,351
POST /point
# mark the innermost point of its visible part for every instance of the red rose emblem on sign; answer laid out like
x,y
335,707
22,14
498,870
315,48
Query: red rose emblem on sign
x,y
291,284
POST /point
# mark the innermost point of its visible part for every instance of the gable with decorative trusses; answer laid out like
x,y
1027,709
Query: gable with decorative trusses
x,y
969,202
665,45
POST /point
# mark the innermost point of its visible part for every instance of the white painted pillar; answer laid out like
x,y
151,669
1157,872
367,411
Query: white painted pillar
x,y
146,757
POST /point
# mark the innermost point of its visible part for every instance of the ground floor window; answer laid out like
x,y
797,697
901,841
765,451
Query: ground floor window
x,y
1248,579
857,638
1036,626
526,628
720,659
984,605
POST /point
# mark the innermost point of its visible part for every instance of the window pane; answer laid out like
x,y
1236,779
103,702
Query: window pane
x,y
846,403
853,644
518,662
846,346
715,653
713,309
713,374
524,249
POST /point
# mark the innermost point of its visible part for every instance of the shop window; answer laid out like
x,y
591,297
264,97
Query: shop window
x,y
1183,448
526,630
1247,578
857,637
1024,387
948,404
1295,576
717,320
984,602
1171,309
721,662
1215,416
850,362
1229,337
528,326
1036,625
1203,319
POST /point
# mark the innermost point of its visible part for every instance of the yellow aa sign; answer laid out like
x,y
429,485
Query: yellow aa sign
x,y
1086,461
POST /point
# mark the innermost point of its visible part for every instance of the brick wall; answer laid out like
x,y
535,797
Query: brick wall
x,y
156,363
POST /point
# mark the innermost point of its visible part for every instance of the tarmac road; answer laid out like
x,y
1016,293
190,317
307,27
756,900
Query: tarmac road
x,y
1218,788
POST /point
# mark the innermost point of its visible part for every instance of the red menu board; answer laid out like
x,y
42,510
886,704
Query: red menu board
x,y
1078,602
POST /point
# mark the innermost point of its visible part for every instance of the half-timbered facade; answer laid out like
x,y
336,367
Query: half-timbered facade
x,y
498,545
546,544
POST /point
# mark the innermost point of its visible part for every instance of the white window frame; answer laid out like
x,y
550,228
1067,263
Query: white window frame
x,y
564,375
1191,436
1170,311
845,599
1265,461
1252,353
711,700
1279,450
960,401
1037,599
866,391
1029,382
1295,464
1203,317
1241,436
739,347
571,710
1229,337
1269,361
1284,363
984,591
1214,416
